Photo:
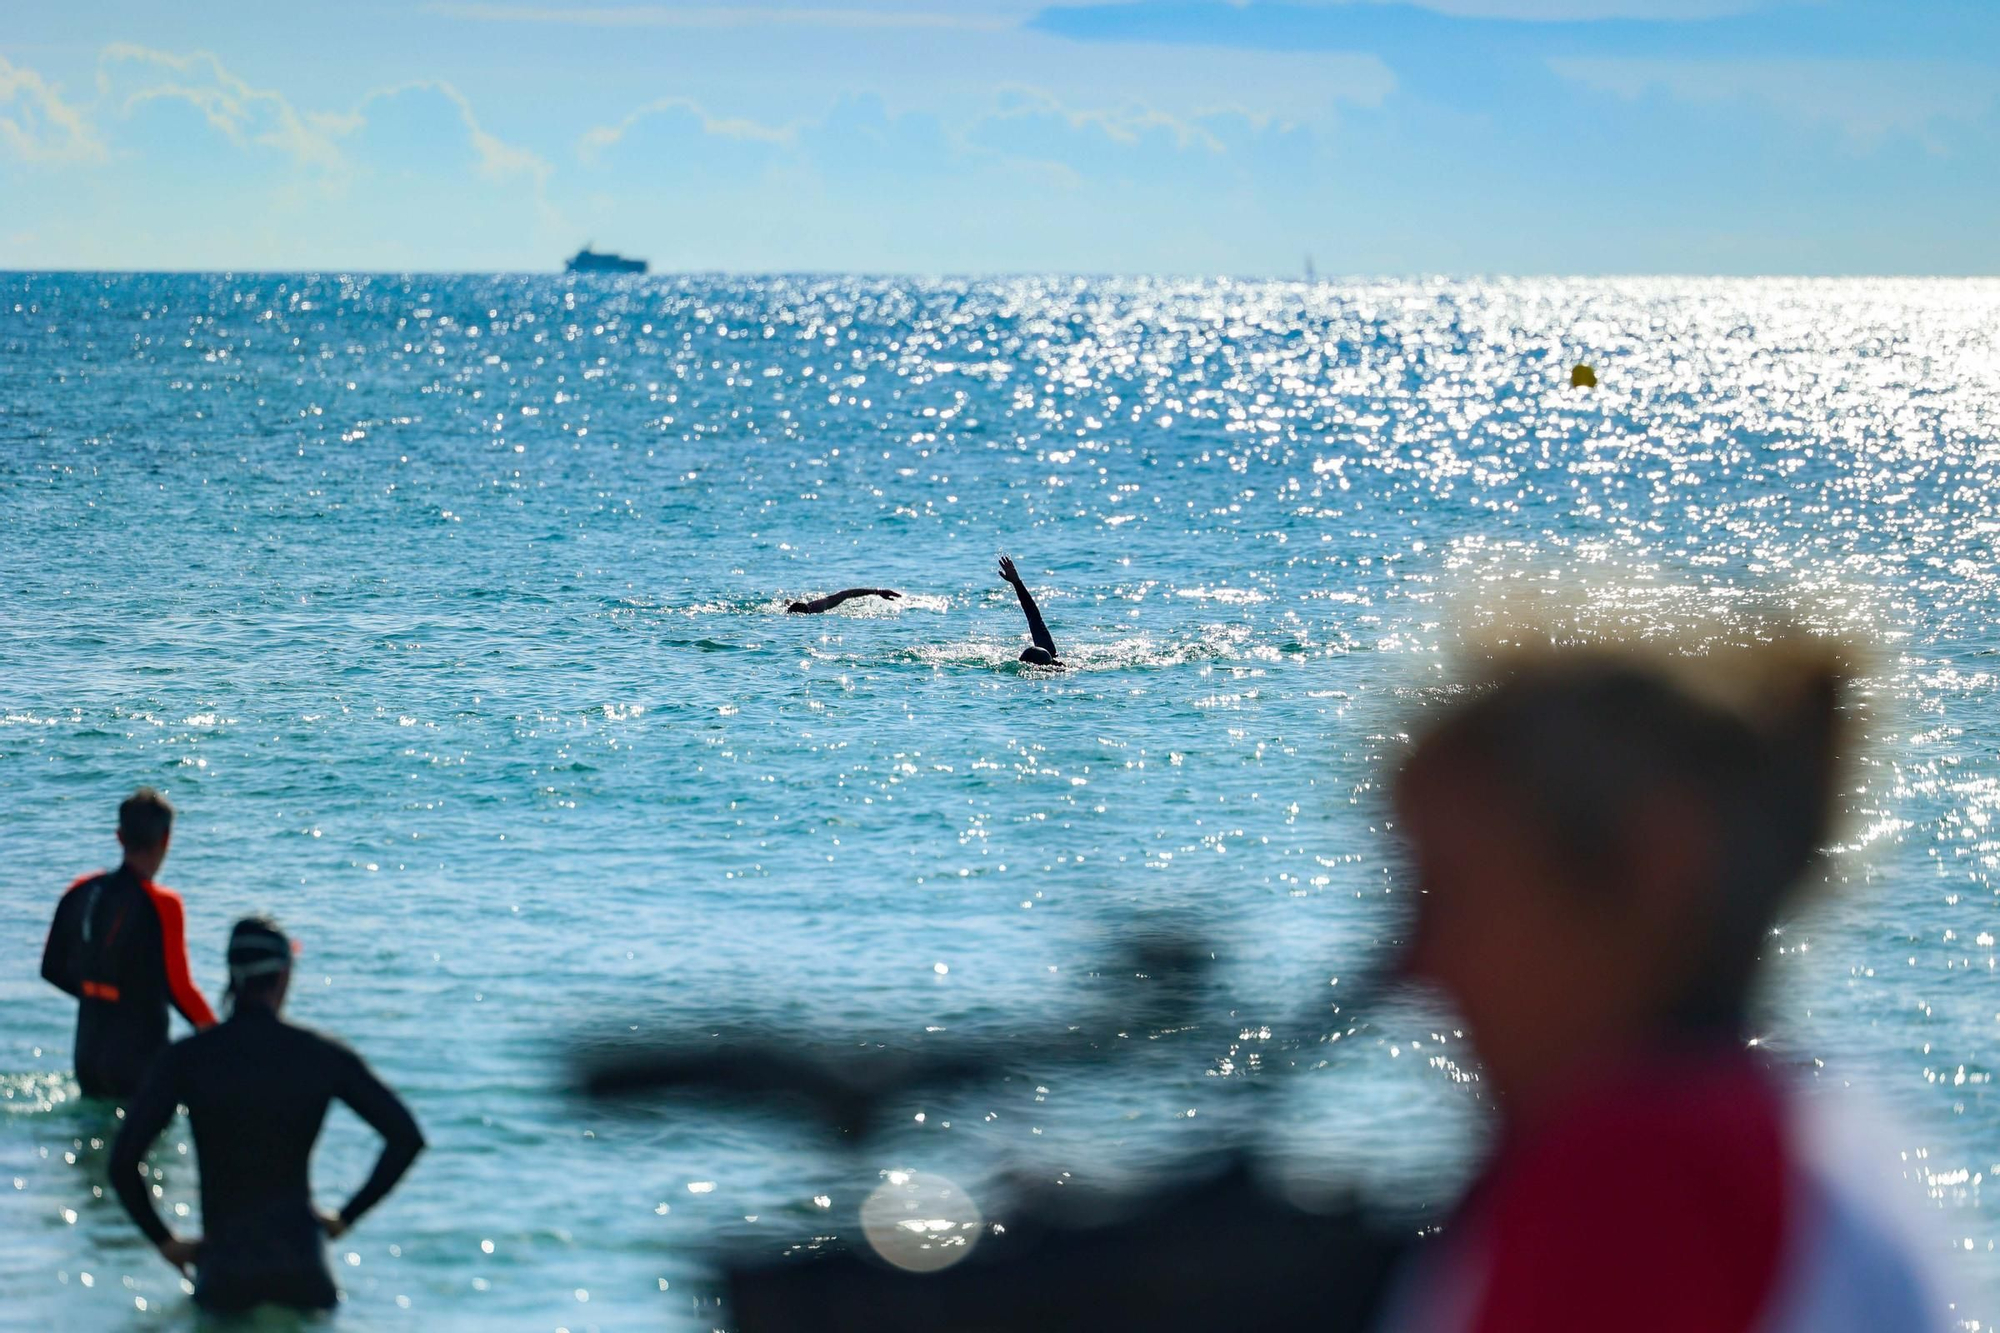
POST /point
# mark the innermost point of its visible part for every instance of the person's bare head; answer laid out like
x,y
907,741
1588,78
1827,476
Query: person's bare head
x,y
145,826
1603,845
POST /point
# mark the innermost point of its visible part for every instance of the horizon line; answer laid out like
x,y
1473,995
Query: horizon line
x,y
987,275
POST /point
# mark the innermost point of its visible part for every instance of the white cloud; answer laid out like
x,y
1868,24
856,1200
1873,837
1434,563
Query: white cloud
x,y
247,116
1020,139
600,139
412,150
724,16
498,160
240,113
1867,100
37,125
1127,125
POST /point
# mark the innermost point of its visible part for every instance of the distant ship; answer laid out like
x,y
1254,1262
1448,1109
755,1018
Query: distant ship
x,y
588,260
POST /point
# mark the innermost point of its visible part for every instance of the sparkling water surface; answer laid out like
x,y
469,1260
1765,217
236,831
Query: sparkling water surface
x,y
449,612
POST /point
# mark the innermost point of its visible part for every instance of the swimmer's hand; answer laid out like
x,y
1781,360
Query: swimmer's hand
x,y
1007,570
889,593
182,1254
334,1223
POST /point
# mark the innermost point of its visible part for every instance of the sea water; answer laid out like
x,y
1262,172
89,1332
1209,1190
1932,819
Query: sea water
x,y
450,614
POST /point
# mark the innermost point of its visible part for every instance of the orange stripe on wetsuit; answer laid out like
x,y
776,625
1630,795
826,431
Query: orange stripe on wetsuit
x,y
173,947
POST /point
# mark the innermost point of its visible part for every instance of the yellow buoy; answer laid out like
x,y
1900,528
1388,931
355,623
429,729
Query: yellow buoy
x,y
1582,377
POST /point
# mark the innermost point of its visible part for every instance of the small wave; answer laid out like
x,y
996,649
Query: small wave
x,y
1136,652
920,601
714,606
963,653
521,595
713,645
1231,596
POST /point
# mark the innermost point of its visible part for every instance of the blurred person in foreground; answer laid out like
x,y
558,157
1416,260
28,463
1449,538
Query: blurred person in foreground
x,y
257,1089
119,945
1604,840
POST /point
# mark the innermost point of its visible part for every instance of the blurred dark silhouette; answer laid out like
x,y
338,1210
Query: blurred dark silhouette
x,y
257,1090
1161,980
833,599
119,945
1221,1254
1043,651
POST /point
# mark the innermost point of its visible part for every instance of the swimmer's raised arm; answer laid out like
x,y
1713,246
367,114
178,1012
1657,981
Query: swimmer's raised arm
x,y
1044,651
833,599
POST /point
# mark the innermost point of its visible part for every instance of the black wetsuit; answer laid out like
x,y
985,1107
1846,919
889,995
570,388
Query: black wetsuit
x,y
257,1089
1044,651
833,599
119,944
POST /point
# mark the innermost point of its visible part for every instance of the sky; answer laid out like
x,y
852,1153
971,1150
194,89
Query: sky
x,y
1185,137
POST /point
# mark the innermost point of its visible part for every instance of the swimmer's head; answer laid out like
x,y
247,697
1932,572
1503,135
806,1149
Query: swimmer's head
x,y
260,963
1604,837
1038,657
797,606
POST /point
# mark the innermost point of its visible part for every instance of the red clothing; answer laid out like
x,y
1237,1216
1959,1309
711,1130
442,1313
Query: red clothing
x,y
1684,1194
1654,1203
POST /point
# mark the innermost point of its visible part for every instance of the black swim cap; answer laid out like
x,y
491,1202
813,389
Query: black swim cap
x,y
257,948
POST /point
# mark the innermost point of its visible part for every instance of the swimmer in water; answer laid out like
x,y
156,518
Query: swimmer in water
x,y
1044,651
833,599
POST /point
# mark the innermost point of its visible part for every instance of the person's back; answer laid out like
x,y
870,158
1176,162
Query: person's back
x,y
257,1090
118,944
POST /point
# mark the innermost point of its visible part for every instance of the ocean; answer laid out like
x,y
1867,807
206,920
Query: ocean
x,y
449,611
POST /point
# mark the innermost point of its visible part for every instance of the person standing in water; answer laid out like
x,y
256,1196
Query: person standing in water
x,y
833,599
1604,839
1043,652
257,1090
119,945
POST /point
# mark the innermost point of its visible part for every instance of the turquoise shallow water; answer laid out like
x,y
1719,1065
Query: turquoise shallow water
x,y
449,612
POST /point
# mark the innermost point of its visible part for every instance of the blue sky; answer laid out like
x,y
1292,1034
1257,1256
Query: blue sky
x,y
978,136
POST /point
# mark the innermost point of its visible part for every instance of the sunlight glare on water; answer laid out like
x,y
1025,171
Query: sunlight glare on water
x,y
449,611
